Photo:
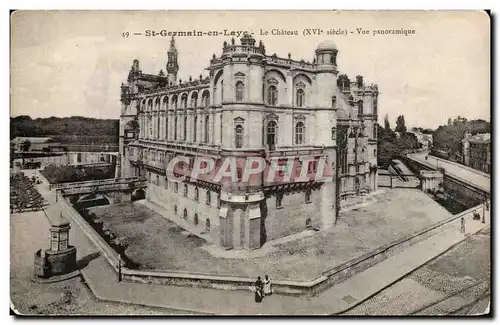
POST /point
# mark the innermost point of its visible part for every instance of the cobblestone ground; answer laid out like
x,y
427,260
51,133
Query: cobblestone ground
x,y
29,232
462,266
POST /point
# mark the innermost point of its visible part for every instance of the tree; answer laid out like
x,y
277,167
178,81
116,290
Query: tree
x,y
448,137
25,146
400,124
427,131
387,125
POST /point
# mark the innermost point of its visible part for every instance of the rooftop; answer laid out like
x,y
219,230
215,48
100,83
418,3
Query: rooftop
x,y
480,138
32,139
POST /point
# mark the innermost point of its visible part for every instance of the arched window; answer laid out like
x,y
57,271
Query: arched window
x,y
175,209
184,100
195,127
207,224
165,103
271,134
239,136
206,99
360,107
221,90
272,96
209,199
343,161
185,214
157,104
175,128
196,194
166,128
166,182
300,98
157,180
184,136
299,133
207,121
158,125
334,133
185,190
195,219
375,126
174,102
150,124
194,100
240,87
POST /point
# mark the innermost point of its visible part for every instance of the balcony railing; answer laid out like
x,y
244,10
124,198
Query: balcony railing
x,y
110,181
242,49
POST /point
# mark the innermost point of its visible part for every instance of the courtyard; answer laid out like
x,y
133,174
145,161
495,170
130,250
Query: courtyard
x,y
154,242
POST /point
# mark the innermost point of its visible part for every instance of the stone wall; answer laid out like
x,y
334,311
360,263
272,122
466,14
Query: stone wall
x,y
168,199
462,192
291,217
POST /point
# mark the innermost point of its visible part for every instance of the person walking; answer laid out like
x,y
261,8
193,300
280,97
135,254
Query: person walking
x,y
258,290
268,290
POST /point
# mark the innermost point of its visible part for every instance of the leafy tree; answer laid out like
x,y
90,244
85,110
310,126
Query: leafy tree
x,y
25,146
24,126
448,137
400,124
427,131
387,125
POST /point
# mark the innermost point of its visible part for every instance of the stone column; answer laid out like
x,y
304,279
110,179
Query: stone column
x,y
211,128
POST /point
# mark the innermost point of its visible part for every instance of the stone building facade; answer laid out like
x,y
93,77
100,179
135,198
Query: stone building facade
x,y
476,151
252,104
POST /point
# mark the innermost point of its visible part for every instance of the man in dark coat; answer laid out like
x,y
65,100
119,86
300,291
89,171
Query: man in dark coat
x,y
259,290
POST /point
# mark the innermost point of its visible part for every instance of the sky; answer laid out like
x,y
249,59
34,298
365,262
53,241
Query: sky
x,y
72,63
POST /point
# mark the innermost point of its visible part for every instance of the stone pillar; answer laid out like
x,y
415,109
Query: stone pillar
x,y
211,128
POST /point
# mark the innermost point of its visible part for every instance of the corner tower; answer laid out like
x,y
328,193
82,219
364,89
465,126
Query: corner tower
x,y
326,117
172,65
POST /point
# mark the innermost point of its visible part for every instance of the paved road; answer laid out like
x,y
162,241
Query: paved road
x,y
436,287
468,174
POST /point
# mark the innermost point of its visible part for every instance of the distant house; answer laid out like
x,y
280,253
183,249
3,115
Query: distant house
x,y
425,140
41,144
476,151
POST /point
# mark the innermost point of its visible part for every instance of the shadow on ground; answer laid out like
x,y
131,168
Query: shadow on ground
x,y
84,261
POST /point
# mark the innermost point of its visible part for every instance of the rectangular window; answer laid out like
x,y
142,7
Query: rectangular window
x,y
279,200
308,196
209,200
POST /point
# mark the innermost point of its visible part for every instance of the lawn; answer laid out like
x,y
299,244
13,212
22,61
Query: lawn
x,y
155,242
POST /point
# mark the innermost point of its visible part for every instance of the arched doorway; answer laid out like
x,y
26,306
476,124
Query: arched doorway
x,y
138,195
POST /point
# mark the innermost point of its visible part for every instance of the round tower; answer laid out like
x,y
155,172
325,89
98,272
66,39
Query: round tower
x,y
241,198
326,117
